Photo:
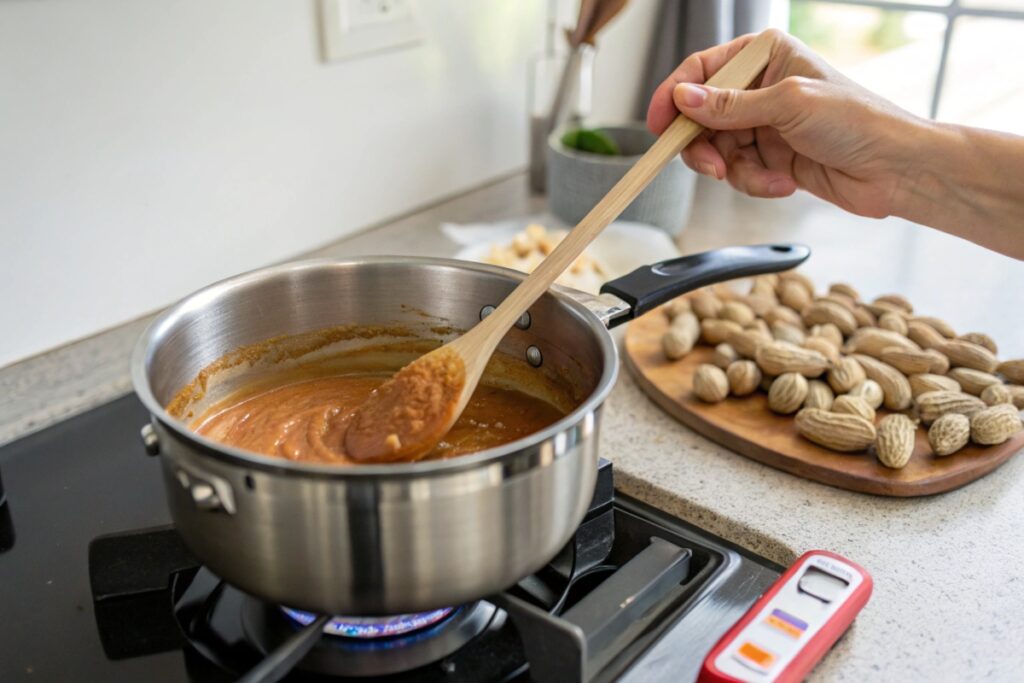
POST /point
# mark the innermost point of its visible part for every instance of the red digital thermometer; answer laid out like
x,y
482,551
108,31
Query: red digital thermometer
x,y
791,627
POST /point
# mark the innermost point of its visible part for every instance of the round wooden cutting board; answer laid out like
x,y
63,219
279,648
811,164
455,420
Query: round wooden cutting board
x,y
745,425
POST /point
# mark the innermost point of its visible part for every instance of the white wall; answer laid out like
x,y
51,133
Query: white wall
x,y
147,149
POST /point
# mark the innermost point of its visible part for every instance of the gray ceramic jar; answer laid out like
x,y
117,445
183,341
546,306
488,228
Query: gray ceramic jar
x,y
578,180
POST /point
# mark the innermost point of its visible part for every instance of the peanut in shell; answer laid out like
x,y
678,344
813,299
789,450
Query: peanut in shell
x,y
895,442
949,434
836,431
995,425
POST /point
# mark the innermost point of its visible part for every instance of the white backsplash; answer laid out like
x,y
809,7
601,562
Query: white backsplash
x,y
147,149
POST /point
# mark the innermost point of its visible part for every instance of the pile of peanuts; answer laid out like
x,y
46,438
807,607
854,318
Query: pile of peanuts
x,y
833,359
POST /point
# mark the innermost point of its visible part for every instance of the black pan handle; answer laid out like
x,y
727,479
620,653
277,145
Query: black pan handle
x,y
648,287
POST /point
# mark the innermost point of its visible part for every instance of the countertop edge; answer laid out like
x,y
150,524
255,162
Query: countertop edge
x,y
733,530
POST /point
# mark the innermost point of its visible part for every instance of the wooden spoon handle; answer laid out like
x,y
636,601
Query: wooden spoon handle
x,y
739,72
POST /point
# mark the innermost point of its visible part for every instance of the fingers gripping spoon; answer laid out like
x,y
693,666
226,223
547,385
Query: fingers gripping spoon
x,y
409,414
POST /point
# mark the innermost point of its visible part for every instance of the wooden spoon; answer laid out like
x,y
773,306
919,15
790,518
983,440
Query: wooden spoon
x,y
408,415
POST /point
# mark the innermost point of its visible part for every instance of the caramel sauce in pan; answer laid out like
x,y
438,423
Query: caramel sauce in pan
x,y
307,420
295,396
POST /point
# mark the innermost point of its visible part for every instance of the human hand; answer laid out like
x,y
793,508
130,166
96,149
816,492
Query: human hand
x,y
801,125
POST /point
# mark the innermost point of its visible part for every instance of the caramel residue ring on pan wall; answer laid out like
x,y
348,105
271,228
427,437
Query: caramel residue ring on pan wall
x,y
275,350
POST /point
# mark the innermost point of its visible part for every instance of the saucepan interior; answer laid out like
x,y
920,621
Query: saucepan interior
x,y
246,330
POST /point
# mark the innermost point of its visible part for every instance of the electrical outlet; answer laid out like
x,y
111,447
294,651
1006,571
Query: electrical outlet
x,y
353,28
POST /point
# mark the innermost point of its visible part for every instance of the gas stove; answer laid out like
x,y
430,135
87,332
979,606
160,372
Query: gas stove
x,y
98,586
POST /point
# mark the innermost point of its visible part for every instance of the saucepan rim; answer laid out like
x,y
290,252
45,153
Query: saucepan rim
x,y
147,344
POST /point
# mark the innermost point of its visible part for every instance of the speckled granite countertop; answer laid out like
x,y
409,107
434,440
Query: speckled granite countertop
x,y
949,589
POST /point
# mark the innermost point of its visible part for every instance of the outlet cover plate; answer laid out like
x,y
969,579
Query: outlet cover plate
x,y
354,28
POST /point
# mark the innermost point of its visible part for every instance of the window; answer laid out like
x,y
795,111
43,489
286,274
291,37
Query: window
x,y
953,60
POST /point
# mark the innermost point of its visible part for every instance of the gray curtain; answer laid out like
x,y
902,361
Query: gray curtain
x,y
687,26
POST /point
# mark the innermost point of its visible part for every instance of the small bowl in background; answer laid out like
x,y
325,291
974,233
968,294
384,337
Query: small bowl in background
x,y
578,180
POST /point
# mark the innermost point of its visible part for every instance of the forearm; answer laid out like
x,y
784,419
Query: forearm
x,y
967,182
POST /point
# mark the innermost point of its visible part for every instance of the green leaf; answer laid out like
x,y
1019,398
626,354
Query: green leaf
x,y
595,141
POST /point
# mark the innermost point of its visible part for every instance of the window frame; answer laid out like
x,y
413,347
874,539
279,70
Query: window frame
x,y
952,11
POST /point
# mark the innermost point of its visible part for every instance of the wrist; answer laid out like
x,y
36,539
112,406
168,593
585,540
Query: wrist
x,y
967,182
929,185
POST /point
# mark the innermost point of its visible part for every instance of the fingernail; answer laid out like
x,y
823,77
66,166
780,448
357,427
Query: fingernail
x,y
708,169
779,186
691,95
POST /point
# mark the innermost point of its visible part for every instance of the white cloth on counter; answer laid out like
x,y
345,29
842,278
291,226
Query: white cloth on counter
x,y
621,248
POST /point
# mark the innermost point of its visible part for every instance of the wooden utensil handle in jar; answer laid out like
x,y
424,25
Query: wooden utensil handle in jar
x,y
739,72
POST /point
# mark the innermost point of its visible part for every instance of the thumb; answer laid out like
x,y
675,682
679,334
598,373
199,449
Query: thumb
x,y
728,109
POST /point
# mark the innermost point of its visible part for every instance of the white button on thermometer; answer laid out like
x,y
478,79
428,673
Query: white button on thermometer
x,y
791,627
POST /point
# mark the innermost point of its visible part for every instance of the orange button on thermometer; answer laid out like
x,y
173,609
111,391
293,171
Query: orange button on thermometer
x,y
755,655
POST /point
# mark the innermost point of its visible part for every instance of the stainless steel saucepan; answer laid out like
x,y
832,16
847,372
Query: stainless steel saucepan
x,y
386,539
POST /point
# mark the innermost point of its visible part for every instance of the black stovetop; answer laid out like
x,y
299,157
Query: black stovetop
x,y
88,477
65,486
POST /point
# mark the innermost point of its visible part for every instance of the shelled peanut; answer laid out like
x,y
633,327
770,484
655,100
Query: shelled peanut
x,y
831,359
